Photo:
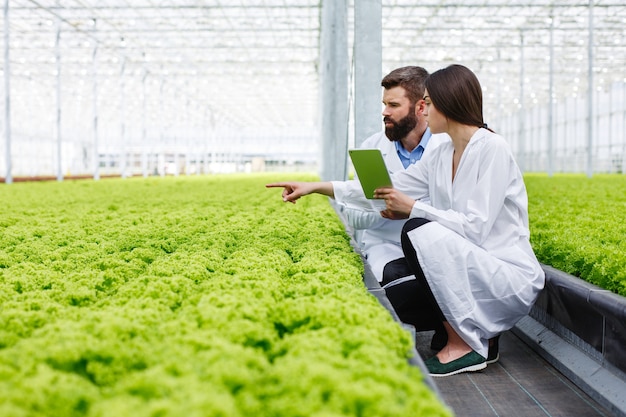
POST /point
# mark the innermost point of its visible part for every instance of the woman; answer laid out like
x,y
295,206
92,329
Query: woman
x,y
470,245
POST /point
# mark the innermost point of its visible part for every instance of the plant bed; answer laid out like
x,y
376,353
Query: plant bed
x,y
584,314
374,288
580,329
191,296
579,320
577,226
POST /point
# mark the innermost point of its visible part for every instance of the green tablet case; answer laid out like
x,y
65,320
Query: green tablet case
x,y
371,170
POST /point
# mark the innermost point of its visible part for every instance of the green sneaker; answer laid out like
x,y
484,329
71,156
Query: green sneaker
x,y
470,362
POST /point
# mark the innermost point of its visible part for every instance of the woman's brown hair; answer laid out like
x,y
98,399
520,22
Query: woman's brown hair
x,y
456,93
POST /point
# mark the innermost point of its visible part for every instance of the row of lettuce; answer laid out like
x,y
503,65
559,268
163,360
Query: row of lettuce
x,y
209,296
577,226
197,296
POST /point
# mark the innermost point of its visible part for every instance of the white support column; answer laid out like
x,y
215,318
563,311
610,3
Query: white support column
x,y
212,142
185,131
8,177
94,75
521,144
57,128
551,102
334,90
590,95
175,136
161,147
623,109
367,68
144,141
123,148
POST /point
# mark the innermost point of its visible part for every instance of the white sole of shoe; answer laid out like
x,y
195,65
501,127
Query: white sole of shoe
x,y
494,360
472,368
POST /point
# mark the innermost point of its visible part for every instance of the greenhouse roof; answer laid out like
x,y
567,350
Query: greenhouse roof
x,y
245,64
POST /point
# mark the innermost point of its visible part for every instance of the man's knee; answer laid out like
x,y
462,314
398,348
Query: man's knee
x,y
395,269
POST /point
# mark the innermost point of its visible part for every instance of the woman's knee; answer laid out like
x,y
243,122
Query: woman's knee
x,y
407,245
413,224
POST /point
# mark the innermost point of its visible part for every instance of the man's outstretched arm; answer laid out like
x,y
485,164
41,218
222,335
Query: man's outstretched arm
x,y
293,190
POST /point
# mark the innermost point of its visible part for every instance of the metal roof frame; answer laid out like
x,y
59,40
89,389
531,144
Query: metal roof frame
x,y
145,67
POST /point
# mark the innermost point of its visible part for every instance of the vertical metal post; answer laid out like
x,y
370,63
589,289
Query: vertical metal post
x,y
94,73
123,148
204,140
551,102
186,132
176,133
212,144
57,129
590,95
144,141
197,140
161,151
8,178
610,132
334,90
499,115
367,68
623,164
521,144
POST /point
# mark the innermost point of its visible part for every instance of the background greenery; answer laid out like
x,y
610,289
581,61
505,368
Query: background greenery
x,y
194,296
578,226
209,296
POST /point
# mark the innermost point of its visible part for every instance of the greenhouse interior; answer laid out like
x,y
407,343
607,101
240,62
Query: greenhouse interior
x,y
186,87
103,93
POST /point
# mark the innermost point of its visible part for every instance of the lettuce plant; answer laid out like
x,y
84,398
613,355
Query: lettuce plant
x,y
577,225
195,296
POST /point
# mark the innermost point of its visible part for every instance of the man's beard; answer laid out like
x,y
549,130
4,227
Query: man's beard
x,y
400,129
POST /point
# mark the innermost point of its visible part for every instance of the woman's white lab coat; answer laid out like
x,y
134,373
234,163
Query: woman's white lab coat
x,y
475,252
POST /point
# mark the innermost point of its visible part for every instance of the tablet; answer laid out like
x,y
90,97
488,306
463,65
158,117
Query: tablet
x,y
371,169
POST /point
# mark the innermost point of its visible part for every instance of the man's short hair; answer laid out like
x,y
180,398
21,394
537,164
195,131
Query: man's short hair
x,y
410,78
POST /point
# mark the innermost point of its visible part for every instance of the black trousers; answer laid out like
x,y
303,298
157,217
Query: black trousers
x,y
412,298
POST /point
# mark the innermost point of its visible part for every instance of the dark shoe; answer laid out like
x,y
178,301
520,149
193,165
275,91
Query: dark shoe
x,y
439,340
470,362
493,355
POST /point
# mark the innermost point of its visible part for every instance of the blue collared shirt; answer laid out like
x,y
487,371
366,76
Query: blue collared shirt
x,y
407,158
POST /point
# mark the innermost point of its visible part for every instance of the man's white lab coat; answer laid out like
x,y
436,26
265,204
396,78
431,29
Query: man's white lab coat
x,y
379,238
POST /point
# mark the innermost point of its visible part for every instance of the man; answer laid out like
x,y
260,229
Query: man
x,y
405,140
